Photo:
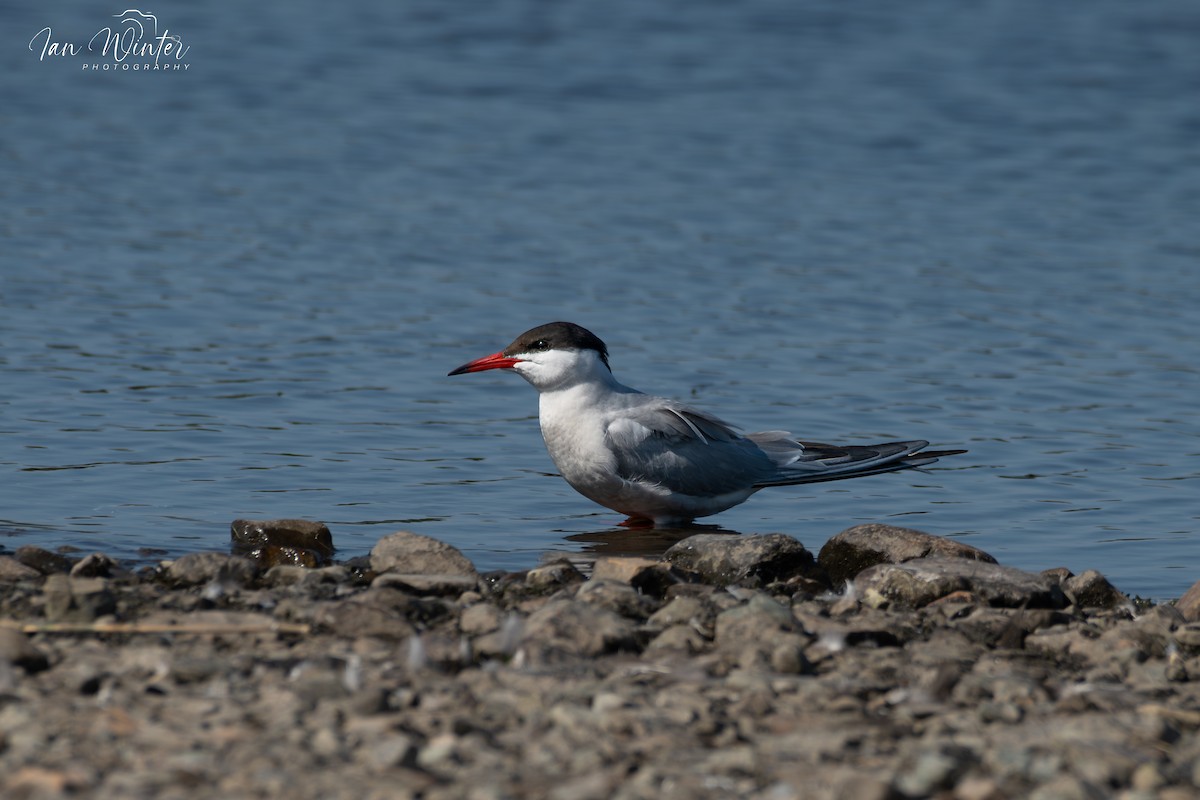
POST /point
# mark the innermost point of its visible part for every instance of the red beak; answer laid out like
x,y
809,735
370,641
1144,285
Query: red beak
x,y
494,361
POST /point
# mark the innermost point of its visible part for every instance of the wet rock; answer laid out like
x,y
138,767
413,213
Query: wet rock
x,y
96,565
921,581
1092,590
578,628
1189,604
724,560
16,649
414,554
196,569
44,561
77,599
13,570
272,542
853,550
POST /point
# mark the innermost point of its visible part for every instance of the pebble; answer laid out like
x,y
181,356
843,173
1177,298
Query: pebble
x,y
723,560
850,552
195,569
921,581
414,554
13,570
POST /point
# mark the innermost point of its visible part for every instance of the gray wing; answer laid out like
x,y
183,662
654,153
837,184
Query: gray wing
x,y
685,450
811,462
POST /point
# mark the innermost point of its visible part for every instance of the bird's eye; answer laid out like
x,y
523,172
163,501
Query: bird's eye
x,y
540,344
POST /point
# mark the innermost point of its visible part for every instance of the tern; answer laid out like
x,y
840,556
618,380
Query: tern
x,y
656,460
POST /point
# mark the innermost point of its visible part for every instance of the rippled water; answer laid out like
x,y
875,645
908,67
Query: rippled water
x,y
235,290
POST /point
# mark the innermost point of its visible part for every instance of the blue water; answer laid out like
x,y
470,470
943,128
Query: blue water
x,y
234,290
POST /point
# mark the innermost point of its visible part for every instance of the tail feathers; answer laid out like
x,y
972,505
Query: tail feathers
x,y
817,462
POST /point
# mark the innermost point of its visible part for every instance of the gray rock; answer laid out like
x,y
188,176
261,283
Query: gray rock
x,y
677,638
13,570
77,599
620,598
423,584
649,576
414,554
382,612
289,575
762,634
921,581
480,618
723,560
16,649
1092,590
855,549
554,576
578,628
1189,604
697,612
196,569
42,560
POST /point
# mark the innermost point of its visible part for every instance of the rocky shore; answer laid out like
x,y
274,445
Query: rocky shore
x,y
893,664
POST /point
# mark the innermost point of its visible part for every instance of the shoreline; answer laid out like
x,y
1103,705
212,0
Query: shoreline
x,y
730,667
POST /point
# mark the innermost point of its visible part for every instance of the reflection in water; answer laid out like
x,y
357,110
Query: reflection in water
x,y
649,542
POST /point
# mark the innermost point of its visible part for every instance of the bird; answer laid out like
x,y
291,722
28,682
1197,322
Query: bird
x,y
660,462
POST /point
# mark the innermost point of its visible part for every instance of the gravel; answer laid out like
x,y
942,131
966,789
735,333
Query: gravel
x,y
734,667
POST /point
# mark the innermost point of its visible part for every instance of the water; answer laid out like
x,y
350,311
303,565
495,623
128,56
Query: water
x,y
235,290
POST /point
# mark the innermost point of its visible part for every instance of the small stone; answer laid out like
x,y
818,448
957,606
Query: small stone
x,y
1147,778
1059,575
16,649
196,569
439,585
978,788
77,599
382,611
682,638
553,576
1189,604
386,752
12,570
288,575
724,560
575,627
919,582
414,554
685,610
848,553
622,569
1092,590
44,561
649,576
479,619
931,770
96,565
620,598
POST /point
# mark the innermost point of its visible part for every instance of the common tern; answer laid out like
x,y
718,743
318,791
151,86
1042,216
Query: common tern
x,y
656,460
